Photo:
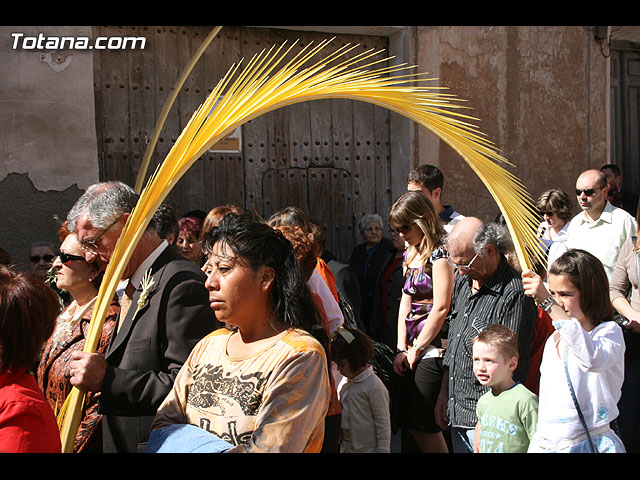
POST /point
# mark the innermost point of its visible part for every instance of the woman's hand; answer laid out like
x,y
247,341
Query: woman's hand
x,y
413,355
400,364
633,325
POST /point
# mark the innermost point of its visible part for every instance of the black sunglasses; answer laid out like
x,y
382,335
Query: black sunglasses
x,y
65,258
37,258
589,192
404,229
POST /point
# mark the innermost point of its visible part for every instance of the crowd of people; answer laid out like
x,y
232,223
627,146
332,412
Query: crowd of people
x,y
232,333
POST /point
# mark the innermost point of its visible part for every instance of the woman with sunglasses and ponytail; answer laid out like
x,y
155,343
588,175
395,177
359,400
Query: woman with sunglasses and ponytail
x,y
82,281
425,302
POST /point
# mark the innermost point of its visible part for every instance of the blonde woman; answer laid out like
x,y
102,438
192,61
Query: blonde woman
x,y
426,298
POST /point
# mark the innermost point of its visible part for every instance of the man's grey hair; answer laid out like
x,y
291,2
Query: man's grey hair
x,y
370,217
493,234
103,203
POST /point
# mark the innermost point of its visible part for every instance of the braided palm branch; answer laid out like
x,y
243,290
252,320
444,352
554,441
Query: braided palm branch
x,y
269,82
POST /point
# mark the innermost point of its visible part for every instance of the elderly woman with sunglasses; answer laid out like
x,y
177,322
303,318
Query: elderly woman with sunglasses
x,y
82,281
425,302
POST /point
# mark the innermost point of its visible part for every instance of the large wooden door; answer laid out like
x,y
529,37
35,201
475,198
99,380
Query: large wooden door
x,y
625,114
329,157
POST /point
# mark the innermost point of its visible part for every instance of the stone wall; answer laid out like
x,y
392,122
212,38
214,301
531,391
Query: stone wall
x,y
48,150
540,94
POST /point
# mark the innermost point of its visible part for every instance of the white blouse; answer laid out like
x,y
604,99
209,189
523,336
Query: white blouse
x,y
596,368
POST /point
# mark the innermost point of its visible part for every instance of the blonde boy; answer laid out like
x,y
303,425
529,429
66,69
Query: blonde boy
x,y
508,412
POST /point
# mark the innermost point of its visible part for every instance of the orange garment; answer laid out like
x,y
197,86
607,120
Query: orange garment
x,y
326,273
334,404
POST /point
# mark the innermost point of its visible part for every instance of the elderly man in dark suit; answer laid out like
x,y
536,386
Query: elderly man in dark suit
x,y
154,336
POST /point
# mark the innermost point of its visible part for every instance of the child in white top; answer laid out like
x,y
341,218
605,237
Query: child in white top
x,y
365,423
590,346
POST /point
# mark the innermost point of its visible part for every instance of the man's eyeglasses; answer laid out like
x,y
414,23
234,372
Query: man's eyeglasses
x,y
460,267
66,258
93,244
37,258
589,192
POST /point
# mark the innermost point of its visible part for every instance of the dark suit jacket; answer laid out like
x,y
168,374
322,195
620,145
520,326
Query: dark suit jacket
x,y
145,355
367,269
384,325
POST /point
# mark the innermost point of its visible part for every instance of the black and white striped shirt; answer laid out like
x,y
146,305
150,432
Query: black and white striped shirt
x,y
501,300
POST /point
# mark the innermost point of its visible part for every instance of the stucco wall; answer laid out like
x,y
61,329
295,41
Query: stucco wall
x,y
540,94
47,134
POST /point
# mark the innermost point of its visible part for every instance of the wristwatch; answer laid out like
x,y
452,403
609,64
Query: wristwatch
x,y
546,303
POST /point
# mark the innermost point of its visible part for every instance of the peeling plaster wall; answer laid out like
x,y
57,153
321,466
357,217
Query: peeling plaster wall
x,y
48,145
540,94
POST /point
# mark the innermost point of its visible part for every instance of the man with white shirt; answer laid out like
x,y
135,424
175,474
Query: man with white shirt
x,y
429,180
600,228
154,335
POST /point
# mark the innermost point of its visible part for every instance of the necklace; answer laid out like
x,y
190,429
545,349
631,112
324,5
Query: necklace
x,y
67,321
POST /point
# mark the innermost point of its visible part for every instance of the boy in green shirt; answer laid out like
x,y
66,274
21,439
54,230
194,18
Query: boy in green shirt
x,y
508,413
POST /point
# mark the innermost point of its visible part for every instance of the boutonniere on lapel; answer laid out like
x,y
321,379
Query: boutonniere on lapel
x,y
146,285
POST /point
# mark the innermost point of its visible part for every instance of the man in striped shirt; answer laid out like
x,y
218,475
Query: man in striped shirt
x,y
487,291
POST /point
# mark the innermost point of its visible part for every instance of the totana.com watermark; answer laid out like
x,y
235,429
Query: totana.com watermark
x,y
46,42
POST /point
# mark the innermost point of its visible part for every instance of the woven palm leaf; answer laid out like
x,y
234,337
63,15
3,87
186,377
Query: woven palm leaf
x,y
275,78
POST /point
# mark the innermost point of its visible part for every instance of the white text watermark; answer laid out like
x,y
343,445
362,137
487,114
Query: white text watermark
x,y
45,42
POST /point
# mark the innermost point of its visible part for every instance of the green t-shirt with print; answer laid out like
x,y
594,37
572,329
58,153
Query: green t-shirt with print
x,y
507,421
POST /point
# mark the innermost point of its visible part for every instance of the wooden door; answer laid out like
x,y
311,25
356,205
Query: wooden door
x,y
329,157
625,115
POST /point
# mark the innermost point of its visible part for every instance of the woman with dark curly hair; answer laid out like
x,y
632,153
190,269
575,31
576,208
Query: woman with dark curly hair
x,y
262,383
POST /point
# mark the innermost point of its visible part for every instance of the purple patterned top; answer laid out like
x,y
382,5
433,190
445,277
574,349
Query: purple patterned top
x,y
418,284
417,281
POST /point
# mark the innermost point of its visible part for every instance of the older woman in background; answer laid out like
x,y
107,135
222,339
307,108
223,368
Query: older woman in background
x,y
188,241
367,259
625,278
555,207
82,281
28,310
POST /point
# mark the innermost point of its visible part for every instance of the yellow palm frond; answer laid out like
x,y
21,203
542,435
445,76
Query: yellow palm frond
x,y
270,81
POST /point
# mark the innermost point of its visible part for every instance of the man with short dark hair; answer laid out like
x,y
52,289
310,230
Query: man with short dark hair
x,y
628,201
487,291
429,180
159,323
600,228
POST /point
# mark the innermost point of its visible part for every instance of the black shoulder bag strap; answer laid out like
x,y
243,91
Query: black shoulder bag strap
x,y
575,401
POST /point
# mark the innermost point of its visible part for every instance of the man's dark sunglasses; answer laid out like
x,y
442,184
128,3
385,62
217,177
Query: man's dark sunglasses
x,y
589,192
